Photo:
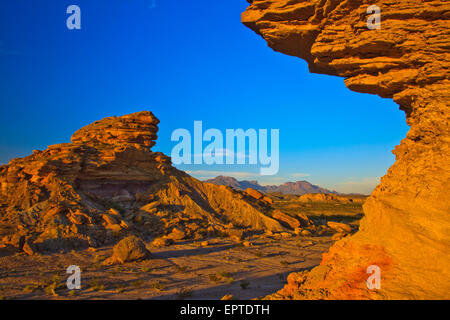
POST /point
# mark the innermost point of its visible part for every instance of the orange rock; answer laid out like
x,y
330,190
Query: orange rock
x,y
109,164
406,218
137,130
176,234
286,219
267,199
254,193
28,247
162,242
340,227
128,249
304,220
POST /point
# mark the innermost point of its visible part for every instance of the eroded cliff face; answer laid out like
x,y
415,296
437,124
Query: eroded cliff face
x,y
106,184
406,229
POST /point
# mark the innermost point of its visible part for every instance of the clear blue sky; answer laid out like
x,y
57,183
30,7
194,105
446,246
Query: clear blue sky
x,y
185,61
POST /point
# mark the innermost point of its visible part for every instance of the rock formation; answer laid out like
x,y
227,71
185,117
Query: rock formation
x,y
330,198
406,229
128,249
107,184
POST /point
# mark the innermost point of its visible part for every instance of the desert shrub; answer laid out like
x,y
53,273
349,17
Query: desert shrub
x,y
184,293
158,286
284,263
96,285
244,284
221,277
181,269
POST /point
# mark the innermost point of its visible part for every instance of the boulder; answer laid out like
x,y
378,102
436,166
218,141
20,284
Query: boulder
x,y
304,220
254,193
339,227
128,249
236,235
162,242
29,247
286,220
176,234
267,200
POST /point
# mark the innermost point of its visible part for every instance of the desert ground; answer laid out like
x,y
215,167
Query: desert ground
x,y
214,268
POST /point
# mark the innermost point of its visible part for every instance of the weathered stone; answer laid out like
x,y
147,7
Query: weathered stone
x,y
407,59
340,227
128,249
305,232
176,234
162,242
286,219
267,200
28,247
254,193
79,190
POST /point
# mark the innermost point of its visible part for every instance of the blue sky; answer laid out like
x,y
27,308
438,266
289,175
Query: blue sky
x,y
184,61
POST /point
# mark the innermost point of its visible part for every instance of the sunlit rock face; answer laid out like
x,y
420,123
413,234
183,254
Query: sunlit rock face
x,y
106,184
406,231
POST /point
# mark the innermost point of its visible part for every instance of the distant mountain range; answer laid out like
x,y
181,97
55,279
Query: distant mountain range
x,y
298,187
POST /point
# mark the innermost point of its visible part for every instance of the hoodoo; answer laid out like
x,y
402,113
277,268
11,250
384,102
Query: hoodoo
x,y
406,229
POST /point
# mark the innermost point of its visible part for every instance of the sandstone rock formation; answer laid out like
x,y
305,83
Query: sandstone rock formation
x,y
287,220
406,229
254,193
325,197
106,184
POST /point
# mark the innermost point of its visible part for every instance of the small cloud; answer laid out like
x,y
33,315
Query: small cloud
x,y
300,175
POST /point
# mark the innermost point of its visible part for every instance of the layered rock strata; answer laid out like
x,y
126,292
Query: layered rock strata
x,y
106,184
406,229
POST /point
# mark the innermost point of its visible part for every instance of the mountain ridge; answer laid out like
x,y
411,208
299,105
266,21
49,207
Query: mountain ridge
x,y
297,187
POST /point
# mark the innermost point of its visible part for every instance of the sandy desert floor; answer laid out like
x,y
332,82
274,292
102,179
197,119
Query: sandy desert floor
x,y
185,270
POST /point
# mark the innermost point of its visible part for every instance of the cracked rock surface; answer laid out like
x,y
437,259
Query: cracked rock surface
x,y
406,229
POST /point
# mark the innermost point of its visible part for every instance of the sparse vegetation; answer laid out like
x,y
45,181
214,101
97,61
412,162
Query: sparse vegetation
x,y
214,277
30,288
184,293
52,285
284,263
221,277
259,253
244,284
158,286
96,285
120,287
99,258
138,283
181,269
322,211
